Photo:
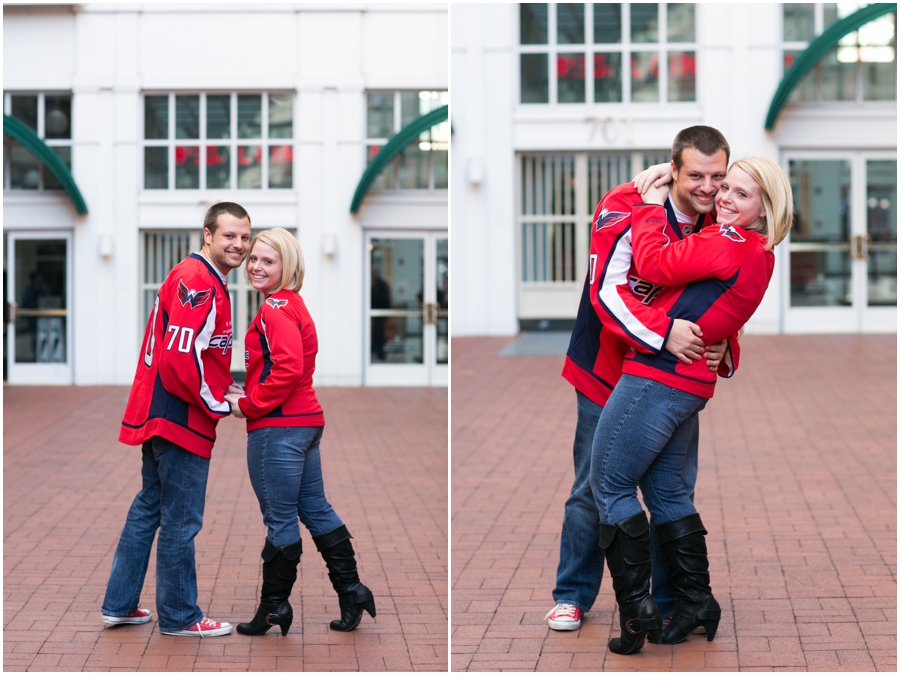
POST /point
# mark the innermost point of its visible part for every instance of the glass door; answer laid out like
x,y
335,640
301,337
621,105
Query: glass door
x,y
842,261
39,294
407,313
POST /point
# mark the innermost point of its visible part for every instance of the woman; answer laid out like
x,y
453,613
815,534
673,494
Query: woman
x,y
715,278
284,425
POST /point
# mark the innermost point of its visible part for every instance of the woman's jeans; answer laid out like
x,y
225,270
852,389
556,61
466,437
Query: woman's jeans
x,y
580,568
171,499
286,473
642,439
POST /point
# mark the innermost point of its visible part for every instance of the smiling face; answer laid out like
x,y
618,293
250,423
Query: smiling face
x,y
226,248
264,268
739,201
695,184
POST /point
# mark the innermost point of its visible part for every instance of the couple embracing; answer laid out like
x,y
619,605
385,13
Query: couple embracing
x,y
182,388
675,273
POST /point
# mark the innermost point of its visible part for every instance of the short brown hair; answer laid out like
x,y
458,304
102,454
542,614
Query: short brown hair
x,y
703,139
211,219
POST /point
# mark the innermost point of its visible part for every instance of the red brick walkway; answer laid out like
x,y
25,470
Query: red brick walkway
x,y
67,487
797,487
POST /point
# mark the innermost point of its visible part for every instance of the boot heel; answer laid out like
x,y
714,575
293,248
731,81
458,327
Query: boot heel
x,y
369,606
285,626
711,627
655,635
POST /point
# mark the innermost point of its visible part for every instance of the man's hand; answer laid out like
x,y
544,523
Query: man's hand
x,y
233,398
685,341
714,354
655,176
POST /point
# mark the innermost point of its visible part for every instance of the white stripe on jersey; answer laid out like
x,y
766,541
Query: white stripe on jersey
x,y
615,273
201,343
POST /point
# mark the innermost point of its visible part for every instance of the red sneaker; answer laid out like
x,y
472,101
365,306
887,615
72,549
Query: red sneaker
x,y
205,628
564,617
137,616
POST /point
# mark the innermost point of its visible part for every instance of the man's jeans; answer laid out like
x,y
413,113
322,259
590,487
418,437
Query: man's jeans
x,y
647,436
171,499
286,472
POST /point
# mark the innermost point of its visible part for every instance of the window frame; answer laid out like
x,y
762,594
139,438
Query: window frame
x,y
203,143
589,49
41,133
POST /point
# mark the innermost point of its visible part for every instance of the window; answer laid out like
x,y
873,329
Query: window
x,y
607,52
245,140
863,66
49,115
419,166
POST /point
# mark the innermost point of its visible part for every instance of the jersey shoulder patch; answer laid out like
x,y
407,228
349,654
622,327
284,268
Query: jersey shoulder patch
x,y
730,233
607,218
276,303
193,297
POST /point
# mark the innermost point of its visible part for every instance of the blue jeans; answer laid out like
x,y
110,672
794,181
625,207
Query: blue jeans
x,y
286,472
642,439
171,500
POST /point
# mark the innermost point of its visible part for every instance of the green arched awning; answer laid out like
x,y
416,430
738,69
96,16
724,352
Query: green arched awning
x,y
45,154
817,50
392,148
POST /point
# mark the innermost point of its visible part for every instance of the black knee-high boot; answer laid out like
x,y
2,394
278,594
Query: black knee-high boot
x,y
627,547
279,574
353,597
684,543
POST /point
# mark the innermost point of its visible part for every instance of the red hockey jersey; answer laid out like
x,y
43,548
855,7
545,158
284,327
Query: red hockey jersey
x,y
605,332
185,365
716,278
281,347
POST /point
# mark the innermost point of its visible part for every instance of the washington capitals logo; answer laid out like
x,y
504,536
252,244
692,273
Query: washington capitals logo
x,y
606,218
730,232
277,304
192,297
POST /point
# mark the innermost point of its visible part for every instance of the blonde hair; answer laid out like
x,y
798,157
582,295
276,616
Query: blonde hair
x,y
292,266
775,193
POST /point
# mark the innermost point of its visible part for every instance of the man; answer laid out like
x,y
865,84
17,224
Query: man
x,y
178,397
599,341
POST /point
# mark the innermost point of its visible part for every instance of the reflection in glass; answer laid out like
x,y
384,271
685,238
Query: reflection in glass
x,y
218,173
249,116
680,21
379,115
24,168
838,78
156,168
443,274
570,23
805,90
397,285
281,166
570,78
820,279
607,22
881,226
249,167
187,116
645,22
413,168
41,285
645,77
682,76
156,117
218,116
281,116
821,200
799,21
411,107
397,339
187,167
442,342
535,78
65,154
440,162
608,77
57,116
533,23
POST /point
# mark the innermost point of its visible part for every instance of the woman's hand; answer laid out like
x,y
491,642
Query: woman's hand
x,y
233,399
235,388
656,175
655,195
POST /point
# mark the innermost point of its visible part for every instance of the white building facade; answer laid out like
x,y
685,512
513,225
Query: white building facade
x,y
555,103
159,111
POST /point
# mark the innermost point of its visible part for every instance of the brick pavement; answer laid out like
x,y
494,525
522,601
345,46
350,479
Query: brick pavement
x,y
67,487
797,487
